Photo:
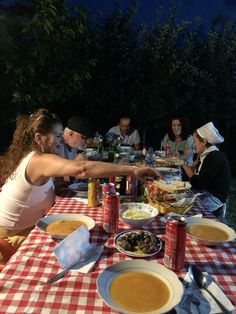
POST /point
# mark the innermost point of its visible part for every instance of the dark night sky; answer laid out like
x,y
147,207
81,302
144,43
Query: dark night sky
x,y
191,9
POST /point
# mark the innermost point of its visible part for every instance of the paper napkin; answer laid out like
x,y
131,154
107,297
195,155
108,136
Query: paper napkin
x,y
80,199
76,253
197,300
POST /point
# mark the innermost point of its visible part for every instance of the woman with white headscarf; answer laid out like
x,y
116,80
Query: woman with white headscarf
x,y
213,173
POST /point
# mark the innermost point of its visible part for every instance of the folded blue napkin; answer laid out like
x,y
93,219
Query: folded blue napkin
x,y
75,251
197,300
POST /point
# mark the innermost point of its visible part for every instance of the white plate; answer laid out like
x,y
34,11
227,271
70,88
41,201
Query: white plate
x,y
82,194
43,222
130,253
169,277
168,169
79,186
214,223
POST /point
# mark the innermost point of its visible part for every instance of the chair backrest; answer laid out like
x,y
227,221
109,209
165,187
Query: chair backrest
x,y
6,249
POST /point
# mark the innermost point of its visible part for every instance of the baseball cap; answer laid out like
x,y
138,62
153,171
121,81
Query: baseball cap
x,y
81,125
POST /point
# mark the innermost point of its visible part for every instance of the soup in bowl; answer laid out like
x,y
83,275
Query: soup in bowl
x,y
139,286
60,226
209,231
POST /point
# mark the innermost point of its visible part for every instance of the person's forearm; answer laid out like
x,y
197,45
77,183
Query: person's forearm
x,y
104,170
188,170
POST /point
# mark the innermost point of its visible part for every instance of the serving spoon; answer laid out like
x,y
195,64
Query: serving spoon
x,y
201,281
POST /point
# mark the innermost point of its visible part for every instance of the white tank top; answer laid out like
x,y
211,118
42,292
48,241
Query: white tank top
x,y
21,203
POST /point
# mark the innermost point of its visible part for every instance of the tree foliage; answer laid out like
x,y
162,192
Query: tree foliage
x,y
56,56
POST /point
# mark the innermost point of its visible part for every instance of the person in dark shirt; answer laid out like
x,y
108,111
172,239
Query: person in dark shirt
x,y
212,174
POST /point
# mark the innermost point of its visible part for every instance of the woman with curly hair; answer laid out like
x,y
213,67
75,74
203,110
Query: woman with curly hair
x,y
28,168
179,139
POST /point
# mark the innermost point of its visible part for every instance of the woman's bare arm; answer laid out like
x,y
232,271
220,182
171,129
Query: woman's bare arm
x,y
43,166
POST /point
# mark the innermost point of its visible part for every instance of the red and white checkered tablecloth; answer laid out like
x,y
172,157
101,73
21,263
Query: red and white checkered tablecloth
x,y
23,282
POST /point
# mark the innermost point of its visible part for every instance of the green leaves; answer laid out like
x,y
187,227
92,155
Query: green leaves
x,y
55,55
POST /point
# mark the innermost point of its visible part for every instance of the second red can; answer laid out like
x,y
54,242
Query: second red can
x,y
174,255
107,187
111,207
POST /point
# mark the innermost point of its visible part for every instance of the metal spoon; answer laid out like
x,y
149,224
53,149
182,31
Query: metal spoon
x,y
201,281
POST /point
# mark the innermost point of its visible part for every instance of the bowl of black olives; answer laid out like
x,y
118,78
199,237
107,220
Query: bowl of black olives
x,y
138,243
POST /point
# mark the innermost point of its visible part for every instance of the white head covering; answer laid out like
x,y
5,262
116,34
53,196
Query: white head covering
x,y
210,133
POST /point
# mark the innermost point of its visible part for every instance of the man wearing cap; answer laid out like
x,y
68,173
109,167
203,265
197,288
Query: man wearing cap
x,y
75,136
213,174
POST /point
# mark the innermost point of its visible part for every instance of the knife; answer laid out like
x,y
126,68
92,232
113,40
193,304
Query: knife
x,y
83,261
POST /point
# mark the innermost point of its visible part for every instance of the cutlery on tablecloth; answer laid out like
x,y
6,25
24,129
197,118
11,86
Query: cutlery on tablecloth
x,y
83,261
75,252
200,280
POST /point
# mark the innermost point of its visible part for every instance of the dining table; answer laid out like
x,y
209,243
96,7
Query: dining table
x,y
23,281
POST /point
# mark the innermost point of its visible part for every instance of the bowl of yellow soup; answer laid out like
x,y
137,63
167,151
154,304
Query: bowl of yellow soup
x,y
137,215
139,286
59,226
208,231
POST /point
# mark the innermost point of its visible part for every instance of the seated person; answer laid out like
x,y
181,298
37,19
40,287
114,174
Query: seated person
x,y
127,134
179,139
28,167
75,136
212,176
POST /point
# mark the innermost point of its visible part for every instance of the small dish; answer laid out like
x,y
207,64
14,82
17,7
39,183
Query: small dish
x,y
134,211
138,253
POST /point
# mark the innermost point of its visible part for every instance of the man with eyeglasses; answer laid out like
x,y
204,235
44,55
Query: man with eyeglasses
x,y
75,137
128,135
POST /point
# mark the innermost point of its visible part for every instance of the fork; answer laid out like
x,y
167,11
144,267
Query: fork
x,y
196,302
186,303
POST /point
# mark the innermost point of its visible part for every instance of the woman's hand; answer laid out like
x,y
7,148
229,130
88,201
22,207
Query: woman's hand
x,y
142,173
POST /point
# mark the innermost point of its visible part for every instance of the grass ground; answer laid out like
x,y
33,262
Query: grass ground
x,y
231,208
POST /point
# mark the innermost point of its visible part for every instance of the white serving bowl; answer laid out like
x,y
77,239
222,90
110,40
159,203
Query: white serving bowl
x,y
212,223
133,214
45,221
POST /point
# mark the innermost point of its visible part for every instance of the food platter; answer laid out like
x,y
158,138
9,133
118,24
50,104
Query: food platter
x,y
168,169
172,185
169,161
136,252
43,223
169,173
169,278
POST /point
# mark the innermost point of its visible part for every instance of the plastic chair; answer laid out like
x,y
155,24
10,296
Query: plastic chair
x,y
7,250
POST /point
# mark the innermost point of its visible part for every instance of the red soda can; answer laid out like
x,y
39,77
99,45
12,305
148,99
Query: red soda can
x,y
111,209
167,150
129,185
112,179
174,255
107,187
